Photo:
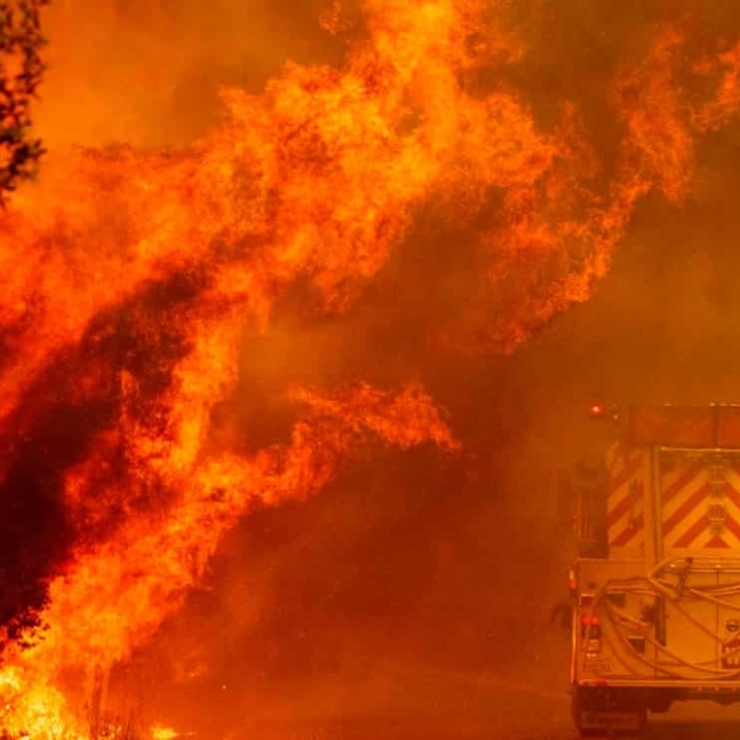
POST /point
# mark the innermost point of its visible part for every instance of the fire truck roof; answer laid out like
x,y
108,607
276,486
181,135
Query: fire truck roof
x,y
712,426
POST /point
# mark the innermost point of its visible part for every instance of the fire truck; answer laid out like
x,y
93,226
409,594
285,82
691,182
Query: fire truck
x,y
655,583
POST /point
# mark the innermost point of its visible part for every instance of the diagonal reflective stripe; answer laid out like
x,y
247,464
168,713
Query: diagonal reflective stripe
x,y
685,509
681,482
692,532
717,542
629,533
688,521
732,494
626,504
626,473
733,526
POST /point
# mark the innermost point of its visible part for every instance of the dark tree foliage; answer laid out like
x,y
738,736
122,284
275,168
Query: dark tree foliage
x,y
21,70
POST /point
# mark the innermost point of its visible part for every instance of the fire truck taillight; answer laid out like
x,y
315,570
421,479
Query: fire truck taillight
x,y
591,632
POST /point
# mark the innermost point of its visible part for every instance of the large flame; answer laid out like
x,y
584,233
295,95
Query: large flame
x,y
555,235
116,592
134,279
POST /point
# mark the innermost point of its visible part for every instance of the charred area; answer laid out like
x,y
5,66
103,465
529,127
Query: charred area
x,y
55,427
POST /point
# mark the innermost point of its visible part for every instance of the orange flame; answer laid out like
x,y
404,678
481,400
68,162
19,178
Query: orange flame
x,y
116,593
719,111
188,251
556,234
317,177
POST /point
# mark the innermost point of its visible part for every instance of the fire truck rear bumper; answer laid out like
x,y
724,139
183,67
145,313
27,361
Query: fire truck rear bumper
x,y
659,695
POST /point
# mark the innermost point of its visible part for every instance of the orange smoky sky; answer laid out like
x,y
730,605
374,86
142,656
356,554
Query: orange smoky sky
x,y
148,73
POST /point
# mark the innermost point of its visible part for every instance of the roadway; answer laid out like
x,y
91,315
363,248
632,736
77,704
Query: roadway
x,y
418,702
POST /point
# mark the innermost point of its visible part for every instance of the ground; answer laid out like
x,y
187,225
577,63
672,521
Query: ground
x,y
420,702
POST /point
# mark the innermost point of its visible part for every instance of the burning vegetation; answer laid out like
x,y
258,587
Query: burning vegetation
x,y
21,69
133,281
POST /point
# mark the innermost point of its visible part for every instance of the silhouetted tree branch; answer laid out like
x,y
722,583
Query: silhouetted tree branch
x,y
21,70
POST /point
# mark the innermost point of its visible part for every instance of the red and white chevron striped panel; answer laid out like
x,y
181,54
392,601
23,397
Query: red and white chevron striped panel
x,y
701,508
629,474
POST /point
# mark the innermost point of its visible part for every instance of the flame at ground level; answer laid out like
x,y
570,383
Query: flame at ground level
x,y
115,595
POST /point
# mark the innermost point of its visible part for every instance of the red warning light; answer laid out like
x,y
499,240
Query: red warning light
x,y
596,411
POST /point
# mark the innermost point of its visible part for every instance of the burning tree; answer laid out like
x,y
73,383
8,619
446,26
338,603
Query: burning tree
x,y
21,70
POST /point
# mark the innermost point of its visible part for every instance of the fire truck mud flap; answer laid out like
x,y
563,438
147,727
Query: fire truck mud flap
x,y
597,715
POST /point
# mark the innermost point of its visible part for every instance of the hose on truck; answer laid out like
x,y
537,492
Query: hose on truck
x,y
625,625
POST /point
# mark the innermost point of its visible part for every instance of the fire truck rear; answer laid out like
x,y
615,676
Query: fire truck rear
x,y
656,585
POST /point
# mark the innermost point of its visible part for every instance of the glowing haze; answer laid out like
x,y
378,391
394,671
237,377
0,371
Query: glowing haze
x,y
133,277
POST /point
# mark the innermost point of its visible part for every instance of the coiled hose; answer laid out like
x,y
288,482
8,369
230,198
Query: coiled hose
x,y
625,625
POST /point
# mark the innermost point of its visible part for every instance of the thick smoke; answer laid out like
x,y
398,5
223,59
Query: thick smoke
x,y
148,72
